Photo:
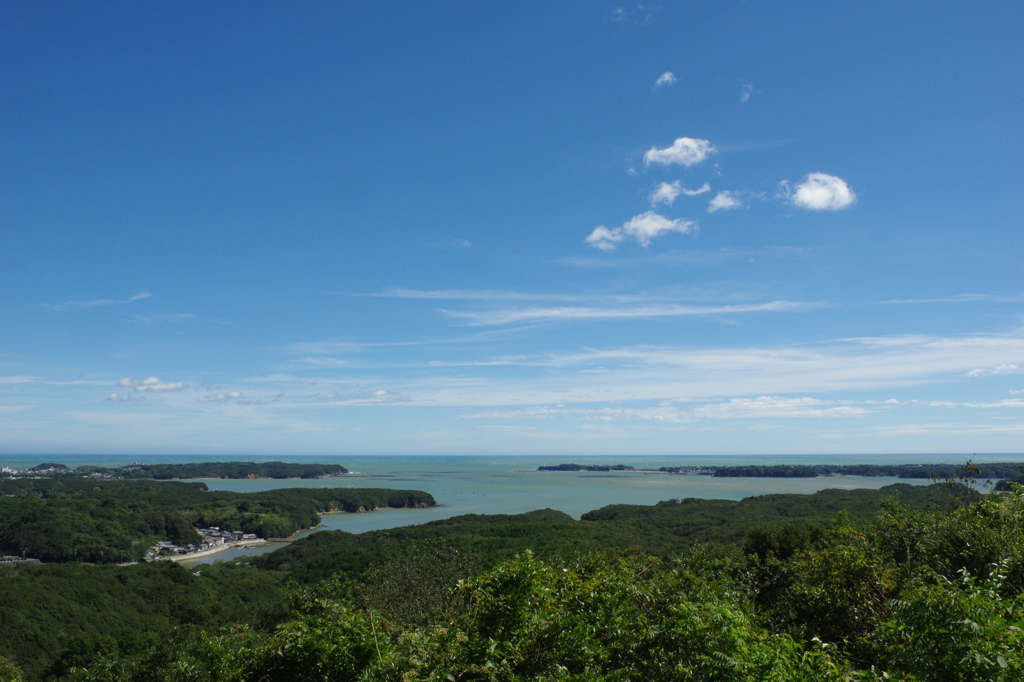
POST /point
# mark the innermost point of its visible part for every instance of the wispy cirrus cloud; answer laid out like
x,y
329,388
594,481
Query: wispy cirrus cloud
x,y
672,373
961,298
377,397
219,397
998,369
117,398
690,257
100,302
685,151
19,379
492,295
763,407
158,318
151,384
566,313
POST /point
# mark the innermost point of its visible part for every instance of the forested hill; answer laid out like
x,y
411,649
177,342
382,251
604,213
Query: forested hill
x,y
661,530
73,518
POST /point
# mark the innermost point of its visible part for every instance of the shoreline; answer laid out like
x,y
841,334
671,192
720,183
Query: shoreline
x,y
264,541
214,550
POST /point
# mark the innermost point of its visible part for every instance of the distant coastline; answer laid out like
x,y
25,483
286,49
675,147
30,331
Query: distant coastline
x,y
993,470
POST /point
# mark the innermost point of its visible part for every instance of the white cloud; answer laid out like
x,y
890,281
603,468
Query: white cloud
x,y
764,407
19,379
998,369
465,243
81,305
115,398
366,397
820,192
700,190
667,78
157,318
667,192
724,201
219,397
326,362
640,16
642,228
685,151
150,384
633,373
633,312
747,89
605,239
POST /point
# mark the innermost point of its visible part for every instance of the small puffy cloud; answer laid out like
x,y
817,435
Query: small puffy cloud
x,y
640,15
643,228
820,192
667,78
745,93
115,398
998,369
685,151
667,192
150,384
604,239
725,201
219,397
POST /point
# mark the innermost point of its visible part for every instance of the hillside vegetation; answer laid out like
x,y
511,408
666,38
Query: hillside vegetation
x,y
912,595
81,519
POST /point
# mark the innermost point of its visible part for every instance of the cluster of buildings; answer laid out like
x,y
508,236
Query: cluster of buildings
x,y
34,473
212,538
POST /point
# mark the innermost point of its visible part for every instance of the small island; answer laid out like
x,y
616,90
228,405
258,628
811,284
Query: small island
x,y
191,470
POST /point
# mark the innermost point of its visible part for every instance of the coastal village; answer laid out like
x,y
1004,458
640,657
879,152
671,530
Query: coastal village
x,y
213,540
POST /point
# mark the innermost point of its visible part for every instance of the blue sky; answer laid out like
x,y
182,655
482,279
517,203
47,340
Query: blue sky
x,y
511,228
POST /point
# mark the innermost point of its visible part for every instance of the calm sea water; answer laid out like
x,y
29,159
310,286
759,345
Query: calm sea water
x,y
511,485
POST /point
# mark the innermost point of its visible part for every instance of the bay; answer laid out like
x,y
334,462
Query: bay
x,y
512,485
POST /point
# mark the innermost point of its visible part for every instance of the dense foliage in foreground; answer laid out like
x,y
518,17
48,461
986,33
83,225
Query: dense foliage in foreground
x,y
927,593
913,596
69,519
